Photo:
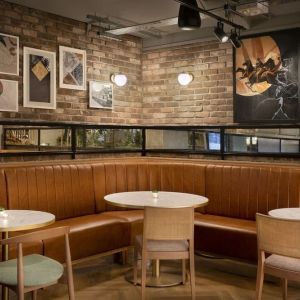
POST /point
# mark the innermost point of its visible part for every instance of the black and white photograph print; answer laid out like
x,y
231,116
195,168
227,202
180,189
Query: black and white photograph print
x,y
9,54
72,68
8,95
39,82
101,94
267,78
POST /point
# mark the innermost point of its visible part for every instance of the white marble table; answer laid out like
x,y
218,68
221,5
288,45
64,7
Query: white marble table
x,y
290,213
142,199
20,220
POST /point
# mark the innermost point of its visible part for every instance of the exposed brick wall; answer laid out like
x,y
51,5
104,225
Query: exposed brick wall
x,y
46,31
207,100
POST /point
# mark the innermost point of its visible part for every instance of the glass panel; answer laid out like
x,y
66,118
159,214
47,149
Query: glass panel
x,y
168,139
30,138
55,139
290,146
109,138
263,140
268,145
22,139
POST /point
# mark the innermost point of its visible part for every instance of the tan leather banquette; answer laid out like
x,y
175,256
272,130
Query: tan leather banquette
x,y
73,192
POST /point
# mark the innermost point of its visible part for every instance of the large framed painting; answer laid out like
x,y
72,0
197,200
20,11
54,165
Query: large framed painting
x,y
101,95
9,54
72,68
39,81
266,78
8,95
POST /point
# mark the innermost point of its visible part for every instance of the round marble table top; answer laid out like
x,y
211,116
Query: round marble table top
x,y
142,199
291,213
17,220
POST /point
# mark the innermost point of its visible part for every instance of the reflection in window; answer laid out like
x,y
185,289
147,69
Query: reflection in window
x,y
109,138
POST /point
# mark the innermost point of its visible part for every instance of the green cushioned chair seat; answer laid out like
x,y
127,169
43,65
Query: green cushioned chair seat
x,y
38,270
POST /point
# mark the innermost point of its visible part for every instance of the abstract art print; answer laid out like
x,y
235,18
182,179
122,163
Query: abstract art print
x,y
9,54
39,82
101,95
8,95
266,74
72,68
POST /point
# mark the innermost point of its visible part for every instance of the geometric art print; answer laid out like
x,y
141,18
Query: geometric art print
x,y
72,66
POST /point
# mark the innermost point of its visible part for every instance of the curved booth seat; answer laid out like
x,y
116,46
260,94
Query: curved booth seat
x,y
74,192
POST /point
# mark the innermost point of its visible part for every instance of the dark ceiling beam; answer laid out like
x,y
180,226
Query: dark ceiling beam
x,y
210,14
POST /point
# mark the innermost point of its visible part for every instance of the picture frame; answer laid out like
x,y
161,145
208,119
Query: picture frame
x,y
9,95
266,74
9,54
100,95
72,68
39,78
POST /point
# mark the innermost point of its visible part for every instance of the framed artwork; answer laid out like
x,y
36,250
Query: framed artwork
x,y
39,82
101,95
266,78
9,54
72,68
8,95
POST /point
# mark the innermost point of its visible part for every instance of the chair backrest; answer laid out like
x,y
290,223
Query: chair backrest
x,y
168,223
278,236
37,235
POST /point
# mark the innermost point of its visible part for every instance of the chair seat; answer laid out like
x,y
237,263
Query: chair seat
x,y
163,245
283,263
38,270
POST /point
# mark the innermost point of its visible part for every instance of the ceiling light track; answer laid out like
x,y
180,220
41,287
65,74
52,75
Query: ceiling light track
x,y
210,14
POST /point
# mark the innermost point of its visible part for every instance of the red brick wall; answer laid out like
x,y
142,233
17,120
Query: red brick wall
x,y
207,100
45,31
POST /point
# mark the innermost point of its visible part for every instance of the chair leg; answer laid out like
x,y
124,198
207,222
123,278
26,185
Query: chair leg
x,y
34,295
183,272
192,274
259,281
135,265
284,284
143,277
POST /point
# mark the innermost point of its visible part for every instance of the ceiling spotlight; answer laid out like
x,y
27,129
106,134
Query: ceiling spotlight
x,y
235,40
185,78
119,79
189,19
220,33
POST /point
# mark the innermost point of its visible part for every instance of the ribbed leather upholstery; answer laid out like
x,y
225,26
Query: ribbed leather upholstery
x,y
3,191
74,193
121,177
241,191
64,190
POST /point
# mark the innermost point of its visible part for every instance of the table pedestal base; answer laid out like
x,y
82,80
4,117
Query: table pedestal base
x,y
164,280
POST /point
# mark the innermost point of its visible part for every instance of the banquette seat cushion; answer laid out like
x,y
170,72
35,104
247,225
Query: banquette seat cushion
x,y
74,192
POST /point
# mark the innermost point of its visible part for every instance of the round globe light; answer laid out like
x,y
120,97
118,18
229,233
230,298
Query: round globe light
x,y
119,79
185,78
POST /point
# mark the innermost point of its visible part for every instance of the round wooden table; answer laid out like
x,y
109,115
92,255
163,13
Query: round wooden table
x,y
142,199
290,213
20,220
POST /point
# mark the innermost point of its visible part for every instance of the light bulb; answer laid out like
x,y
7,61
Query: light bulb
x,y
185,78
119,79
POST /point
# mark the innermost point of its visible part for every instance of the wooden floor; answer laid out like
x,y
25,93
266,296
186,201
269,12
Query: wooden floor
x,y
216,279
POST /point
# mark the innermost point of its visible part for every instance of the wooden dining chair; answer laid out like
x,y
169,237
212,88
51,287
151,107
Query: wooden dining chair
x,y
168,233
32,272
281,239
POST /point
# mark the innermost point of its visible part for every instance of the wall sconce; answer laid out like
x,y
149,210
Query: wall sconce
x,y
185,78
118,79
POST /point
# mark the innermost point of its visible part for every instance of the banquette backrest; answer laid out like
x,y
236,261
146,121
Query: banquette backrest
x,y
239,191
72,189
143,176
64,190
